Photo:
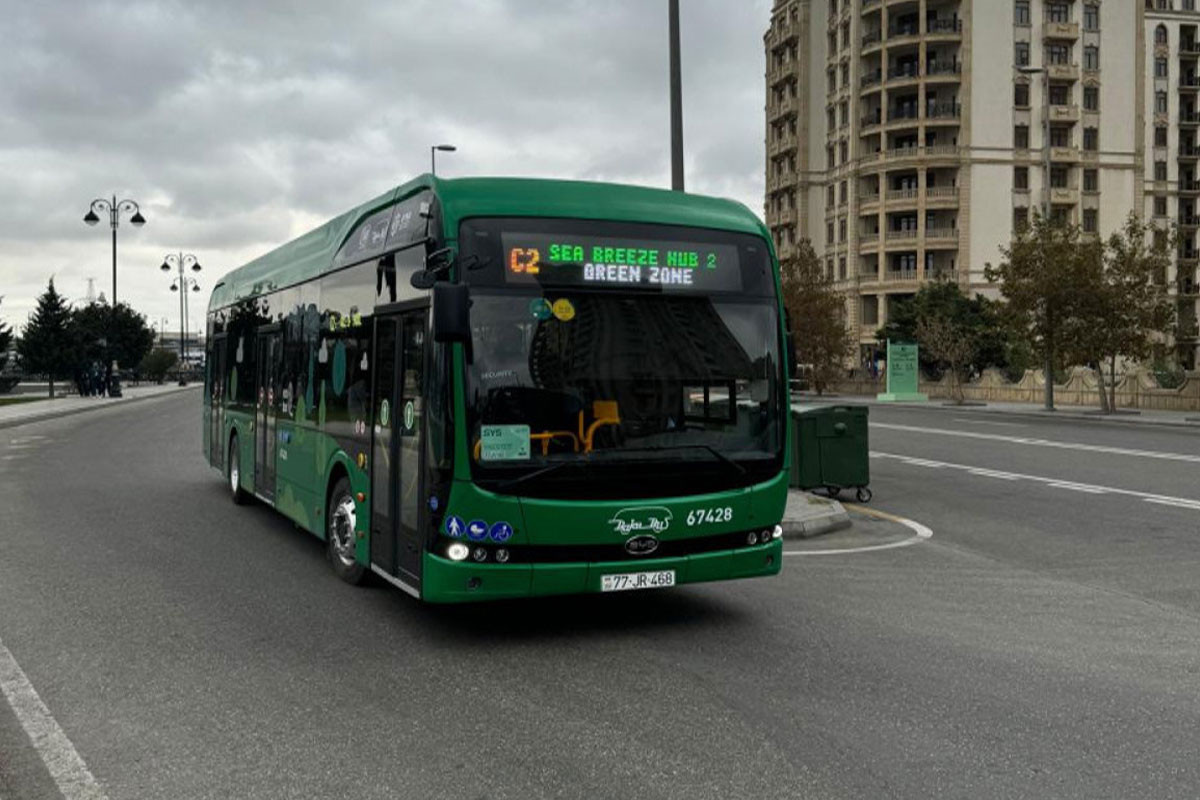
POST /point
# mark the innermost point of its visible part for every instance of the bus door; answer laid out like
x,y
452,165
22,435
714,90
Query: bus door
x,y
397,444
269,352
216,399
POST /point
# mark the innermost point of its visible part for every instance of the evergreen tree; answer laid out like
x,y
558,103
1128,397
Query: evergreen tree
x,y
5,343
46,343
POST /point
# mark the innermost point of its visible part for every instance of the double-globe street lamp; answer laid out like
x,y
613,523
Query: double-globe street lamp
x,y
114,208
182,262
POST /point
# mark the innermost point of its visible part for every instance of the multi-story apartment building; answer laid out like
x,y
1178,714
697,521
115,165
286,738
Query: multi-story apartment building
x,y
907,138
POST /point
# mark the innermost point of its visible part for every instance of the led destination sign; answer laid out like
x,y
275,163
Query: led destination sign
x,y
595,261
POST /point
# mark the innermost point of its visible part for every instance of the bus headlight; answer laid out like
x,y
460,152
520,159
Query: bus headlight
x,y
777,533
479,554
502,556
457,551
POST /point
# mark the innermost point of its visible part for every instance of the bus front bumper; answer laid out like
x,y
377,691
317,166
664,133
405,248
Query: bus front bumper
x,y
446,581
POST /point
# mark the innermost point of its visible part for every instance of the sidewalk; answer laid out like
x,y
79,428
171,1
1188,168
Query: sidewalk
x,y
38,410
1186,419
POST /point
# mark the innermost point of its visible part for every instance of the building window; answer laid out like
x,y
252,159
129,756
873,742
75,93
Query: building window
x,y
829,196
1091,180
1022,54
1020,218
829,232
1059,94
1160,68
1020,177
1058,12
1060,136
1160,205
1160,102
1058,54
1091,18
842,194
1021,13
1091,57
1021,137
1160,170
1090,220
1059,177
842,230
842,268
1091,139
1160,136
1091,98
1021,95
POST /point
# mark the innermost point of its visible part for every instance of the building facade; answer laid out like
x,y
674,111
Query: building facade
x,y
906,138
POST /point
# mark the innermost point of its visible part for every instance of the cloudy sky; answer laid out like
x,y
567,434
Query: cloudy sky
x,y
239,125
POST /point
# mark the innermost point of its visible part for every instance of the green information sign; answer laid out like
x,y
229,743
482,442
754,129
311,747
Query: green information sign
x,y
903,375
503,442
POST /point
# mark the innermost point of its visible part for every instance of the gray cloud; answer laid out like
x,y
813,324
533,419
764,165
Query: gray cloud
x,y
239,125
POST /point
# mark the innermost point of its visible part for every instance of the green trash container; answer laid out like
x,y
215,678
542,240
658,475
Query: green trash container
x,y
830,449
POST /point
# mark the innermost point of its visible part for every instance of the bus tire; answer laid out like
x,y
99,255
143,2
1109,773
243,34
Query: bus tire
x,y
341,533
233,472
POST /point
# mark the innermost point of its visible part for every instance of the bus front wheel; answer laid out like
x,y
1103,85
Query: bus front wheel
x,y
234,472
341,539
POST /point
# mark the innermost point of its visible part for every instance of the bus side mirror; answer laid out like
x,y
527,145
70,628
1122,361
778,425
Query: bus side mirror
x,y
451,312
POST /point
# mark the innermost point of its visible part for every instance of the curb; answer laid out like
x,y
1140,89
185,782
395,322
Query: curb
x,y
16,423
815,527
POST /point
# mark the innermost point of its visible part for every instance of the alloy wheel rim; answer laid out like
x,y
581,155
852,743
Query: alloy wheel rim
x,y
341,529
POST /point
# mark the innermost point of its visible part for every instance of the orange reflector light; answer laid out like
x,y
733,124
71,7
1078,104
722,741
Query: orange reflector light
x,y
360,497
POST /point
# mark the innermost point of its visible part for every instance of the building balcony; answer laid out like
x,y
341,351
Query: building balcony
x,y
941,196
1064,195
945,153
780,182
1061,30
942,28
943,69
943,111
1186,287
787,105
902,74
1188,187
1187,259
872,39
871,120
1063,72
908,235
899,276
1068,154
1188,222
1189,83
1189,49
872,79
782,144
1188,331
1064,113
941,235
782,33
1189,153
902,197
898,34
868,201
1187,120
868,240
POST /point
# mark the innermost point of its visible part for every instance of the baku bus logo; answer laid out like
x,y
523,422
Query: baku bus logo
x,y
642,545
643,519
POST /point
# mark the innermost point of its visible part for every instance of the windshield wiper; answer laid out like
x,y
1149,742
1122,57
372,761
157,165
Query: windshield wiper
x,y
664,448
537,473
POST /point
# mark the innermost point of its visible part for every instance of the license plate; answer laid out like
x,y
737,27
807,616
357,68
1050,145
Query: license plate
x,y
629,581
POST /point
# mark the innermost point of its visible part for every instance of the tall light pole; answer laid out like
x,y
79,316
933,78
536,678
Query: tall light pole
x,y
433,151
114,208
676,98
1048,366
182,262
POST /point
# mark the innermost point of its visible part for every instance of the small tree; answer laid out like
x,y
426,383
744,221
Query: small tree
x,y
46,342
1045,273
99,333
818,316
157,363
1127,305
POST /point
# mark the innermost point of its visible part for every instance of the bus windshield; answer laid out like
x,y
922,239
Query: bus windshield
x,y
608,355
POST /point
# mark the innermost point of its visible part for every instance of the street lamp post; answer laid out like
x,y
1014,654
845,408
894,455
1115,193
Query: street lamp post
x,y
676,98
182,261
1044,71
433,151
114,208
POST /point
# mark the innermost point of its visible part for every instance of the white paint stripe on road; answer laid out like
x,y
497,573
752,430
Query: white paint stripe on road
x,y
1183,502
920,534
1192,504
991,473
989,422
63,762
996,437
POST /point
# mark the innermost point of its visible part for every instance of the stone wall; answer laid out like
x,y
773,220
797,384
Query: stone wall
x,y
1135,389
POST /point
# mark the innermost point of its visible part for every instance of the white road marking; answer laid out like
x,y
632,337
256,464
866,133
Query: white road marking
x,y
989,422
1059,483
63,762
920,534
991,473
996,437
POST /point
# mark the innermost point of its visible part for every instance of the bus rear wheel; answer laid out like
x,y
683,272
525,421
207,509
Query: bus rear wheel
x,y
234,473
341,533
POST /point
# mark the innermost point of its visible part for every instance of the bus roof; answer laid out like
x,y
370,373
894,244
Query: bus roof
x,y
312,254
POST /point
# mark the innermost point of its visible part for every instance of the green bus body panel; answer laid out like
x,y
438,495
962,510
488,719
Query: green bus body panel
x,y
305,463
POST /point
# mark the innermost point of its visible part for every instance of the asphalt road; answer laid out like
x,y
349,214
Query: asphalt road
x,y
1044,643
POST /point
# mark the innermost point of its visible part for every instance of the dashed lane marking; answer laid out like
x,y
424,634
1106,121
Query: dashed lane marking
x,y
62,760
1032,442
1055,483
920,534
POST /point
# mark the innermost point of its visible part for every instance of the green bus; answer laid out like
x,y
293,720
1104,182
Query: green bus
x,y
487,388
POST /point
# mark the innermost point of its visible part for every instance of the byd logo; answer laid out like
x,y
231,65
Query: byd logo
x,y
643,519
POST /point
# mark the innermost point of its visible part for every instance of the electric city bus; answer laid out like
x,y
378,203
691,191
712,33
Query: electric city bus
x,y
488,388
